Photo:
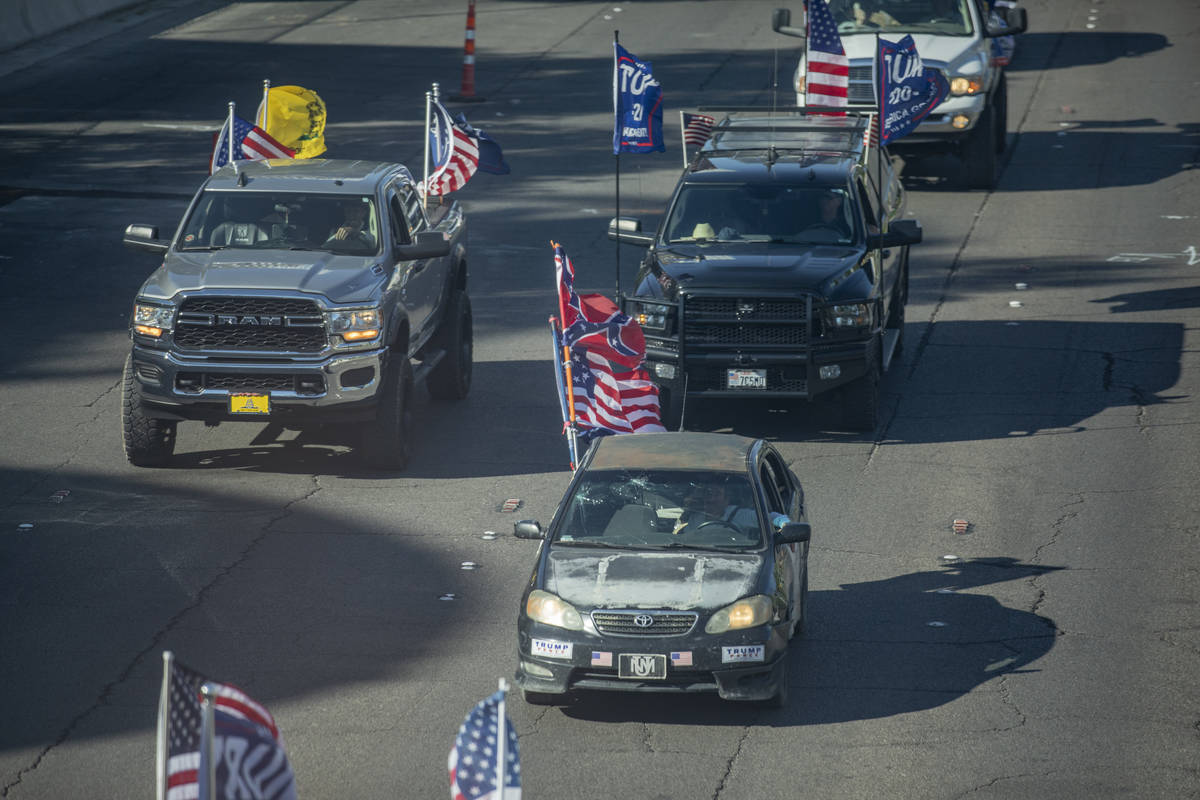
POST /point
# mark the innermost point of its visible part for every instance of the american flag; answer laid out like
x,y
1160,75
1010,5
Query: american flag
x,y
182,718
696,129
608,402
827,70
455,153
250,142
473,761
871,134
593,322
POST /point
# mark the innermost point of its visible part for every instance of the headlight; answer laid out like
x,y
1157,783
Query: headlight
x,y
151,320
653,316
850,315
355,326
749,612
966,85
550,609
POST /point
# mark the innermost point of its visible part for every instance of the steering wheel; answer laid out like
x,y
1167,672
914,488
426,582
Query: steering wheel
x,y
720,522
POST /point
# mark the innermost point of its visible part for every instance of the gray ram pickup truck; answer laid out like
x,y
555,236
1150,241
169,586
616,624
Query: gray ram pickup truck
x,y
299,293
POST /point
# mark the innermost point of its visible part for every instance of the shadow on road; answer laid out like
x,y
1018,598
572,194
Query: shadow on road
x,y
875,649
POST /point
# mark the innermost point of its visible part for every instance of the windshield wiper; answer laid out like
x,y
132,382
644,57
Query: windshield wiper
x,y
592,543
692,546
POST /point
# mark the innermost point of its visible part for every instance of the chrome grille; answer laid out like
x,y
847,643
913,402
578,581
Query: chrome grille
x,y
300,327
664,623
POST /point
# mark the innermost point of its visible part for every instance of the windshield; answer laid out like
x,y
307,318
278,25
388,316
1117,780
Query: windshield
x,y
661,509
758,213
337,223
947,17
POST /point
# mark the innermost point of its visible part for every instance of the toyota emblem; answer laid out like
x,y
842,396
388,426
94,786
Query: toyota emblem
x,y
643,620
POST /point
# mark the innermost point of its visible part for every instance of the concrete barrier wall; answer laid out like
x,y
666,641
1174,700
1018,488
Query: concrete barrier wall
x,y
23,21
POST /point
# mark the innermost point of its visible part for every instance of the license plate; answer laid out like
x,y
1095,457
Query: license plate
x,y
746,378
639,667
246,403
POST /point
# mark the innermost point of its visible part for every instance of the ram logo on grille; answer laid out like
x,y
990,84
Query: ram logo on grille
x,y
263,319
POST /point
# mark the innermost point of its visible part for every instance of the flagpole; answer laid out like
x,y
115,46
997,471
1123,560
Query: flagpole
x,y
569,383
568,430
266,105
206,775
501,741
683,138
617,158
230,123
160,743
425,181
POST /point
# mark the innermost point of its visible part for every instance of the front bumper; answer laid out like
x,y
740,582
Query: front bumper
x,y
593,661
337,388
796,375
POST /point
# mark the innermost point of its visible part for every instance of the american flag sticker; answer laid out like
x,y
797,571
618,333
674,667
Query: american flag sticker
x,y
683,659
601,659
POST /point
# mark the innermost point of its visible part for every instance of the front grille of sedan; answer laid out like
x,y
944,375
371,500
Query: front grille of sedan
x,y
663,623
263,324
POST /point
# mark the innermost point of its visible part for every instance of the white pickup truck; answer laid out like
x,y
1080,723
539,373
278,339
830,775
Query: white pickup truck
x,y
954,36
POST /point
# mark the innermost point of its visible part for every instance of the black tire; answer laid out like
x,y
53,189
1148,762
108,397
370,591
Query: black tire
x,y
1000,103
386,442
860,411
542,698
149,442
979,152
800,623
451,379
780,698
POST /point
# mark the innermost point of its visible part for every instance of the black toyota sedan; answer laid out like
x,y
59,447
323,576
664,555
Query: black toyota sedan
x,y
676,562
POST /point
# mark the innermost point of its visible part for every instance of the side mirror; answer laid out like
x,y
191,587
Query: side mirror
x,y
781,22
794,532
528,529
427,244
629,231
902,232
1015,20
145,237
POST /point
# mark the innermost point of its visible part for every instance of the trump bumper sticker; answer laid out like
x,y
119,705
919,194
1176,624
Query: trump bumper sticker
x,y
548,648
748,652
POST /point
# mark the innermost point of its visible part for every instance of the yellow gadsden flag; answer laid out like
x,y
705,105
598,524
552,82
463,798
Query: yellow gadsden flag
x,y
295,117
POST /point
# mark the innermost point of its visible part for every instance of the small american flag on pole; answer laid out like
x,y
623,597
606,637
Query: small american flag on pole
x,y
455,153
250,142
696,129
485,755
827,69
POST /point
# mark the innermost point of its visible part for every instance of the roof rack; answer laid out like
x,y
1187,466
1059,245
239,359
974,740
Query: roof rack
x,y
790,129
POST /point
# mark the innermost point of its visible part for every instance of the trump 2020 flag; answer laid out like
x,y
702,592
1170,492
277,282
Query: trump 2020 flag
x,y
637,105
827,69
907,89
455,152
250,142
485,755
251,745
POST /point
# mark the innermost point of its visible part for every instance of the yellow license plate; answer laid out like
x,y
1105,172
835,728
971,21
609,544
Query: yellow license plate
x,y
249,403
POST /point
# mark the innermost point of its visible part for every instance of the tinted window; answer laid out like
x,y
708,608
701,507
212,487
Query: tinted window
x,y
338,223
757,213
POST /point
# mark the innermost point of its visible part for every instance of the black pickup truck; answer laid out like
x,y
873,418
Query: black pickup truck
x,y
301,293
780,268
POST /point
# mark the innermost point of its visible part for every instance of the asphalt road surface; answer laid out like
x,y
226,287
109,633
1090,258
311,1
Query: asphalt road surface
x,y
1046,395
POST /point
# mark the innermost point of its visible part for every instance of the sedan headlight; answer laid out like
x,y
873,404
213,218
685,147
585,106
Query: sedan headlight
x,y
149,320
966,85
358,325
749,612
550,609
848,315
653,316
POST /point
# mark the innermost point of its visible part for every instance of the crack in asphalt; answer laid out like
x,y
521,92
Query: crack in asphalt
x,y
730,762
201,595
